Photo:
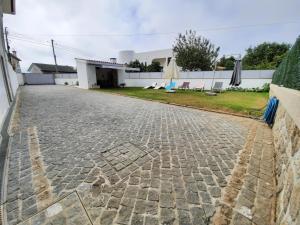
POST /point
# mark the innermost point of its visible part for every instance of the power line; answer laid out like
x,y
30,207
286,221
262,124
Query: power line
x,y
41,43
169,33
69,50
28,41
32,39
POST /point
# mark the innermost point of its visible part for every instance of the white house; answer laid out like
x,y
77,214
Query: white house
x,y
95,73
8,78
50,68
8,83
161,56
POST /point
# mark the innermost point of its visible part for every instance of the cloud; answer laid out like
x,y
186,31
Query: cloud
x,y
85,19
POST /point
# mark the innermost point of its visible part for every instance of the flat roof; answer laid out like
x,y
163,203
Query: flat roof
x,y
108,65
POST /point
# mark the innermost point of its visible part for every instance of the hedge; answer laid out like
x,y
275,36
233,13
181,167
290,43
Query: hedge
x,y
288,72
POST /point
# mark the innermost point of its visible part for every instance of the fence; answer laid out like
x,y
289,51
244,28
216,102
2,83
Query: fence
x,y
250,78
66,76
38,78
62,78
69,78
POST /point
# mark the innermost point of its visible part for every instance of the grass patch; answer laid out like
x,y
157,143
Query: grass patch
x,y
245,103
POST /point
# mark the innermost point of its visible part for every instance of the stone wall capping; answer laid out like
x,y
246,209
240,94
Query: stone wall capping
x,y
290,99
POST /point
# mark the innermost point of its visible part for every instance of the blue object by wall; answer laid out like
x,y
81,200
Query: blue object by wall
x,y
271,109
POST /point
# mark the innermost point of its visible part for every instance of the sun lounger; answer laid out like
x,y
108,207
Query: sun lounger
x,y
199,86
161,86
185,85
153,85
169,87
218,87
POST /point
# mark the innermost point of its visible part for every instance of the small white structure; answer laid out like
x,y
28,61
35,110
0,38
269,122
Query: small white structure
x,y
94,73
161,56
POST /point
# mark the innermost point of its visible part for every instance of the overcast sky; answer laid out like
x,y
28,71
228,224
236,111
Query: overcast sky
x,y
98,29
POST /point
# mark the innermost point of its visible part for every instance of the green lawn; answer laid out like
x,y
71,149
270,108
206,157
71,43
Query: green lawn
x,y
245,103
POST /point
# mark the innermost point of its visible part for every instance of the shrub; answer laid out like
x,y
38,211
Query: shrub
x,y
77,83
266,87
66,83
288,72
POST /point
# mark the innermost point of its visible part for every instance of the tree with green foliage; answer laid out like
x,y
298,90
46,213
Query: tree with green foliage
x,y
137,64
154,67
227,63
194,52
265,56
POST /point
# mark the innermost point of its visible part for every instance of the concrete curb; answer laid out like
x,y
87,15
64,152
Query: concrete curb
x,y
4,157
5,140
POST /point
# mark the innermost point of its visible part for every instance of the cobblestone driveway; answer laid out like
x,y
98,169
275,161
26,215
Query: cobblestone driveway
x,y
129,161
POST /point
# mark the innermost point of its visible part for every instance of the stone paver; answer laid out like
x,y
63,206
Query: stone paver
x,y
65,211
249,198
130,161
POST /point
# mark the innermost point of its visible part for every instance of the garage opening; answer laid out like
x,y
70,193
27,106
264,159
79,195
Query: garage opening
x,y
107,78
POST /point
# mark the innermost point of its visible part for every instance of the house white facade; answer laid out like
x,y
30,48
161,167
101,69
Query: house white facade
x,y
94,73
50,68
35,69
9,80
161,56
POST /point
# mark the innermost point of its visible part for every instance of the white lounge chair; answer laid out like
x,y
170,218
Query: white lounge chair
x,y
199,86
218,87
161,86
153,85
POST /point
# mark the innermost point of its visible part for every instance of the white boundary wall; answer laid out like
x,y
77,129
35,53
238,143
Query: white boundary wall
x,y
14,80
61,78
4,104
250,78
20,77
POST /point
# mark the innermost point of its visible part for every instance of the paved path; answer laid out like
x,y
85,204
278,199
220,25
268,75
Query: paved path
x,y
118,160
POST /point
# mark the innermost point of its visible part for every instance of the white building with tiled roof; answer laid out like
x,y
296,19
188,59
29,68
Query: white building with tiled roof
x,y
95,73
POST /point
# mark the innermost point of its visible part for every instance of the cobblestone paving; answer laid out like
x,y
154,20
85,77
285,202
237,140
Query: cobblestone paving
x,y
249,198
131,161
67,211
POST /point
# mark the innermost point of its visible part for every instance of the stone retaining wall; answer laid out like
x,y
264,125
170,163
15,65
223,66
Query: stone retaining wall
x,y
286,134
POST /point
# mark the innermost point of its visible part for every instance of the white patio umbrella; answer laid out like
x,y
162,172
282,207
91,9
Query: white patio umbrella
x,y
165,66
172,71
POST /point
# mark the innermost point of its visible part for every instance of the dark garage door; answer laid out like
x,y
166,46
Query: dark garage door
x,y
36,78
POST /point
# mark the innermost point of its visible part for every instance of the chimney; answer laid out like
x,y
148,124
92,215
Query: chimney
x,y
113,60
14,52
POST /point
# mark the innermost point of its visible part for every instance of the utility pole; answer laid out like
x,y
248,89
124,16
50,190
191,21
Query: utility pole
x,y
52,42
7,44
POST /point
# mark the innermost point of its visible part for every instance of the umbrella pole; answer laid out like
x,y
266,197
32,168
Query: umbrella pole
x,y
212,83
